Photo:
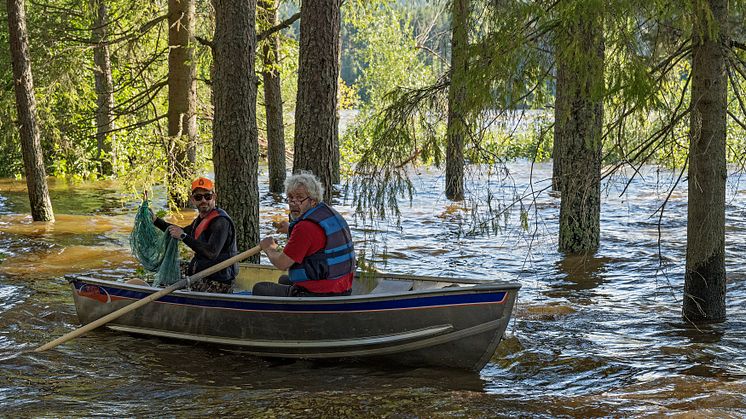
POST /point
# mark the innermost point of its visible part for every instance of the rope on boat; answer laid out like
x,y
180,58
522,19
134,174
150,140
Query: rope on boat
x,y
156,250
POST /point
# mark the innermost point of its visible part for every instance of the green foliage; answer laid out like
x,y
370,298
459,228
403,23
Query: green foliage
x,y
62,63
533,142
392,70
386,53
287,66
405,126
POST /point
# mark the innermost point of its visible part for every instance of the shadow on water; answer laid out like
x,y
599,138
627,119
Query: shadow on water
x,y
582,272
156,357
577,276
698,343
697,333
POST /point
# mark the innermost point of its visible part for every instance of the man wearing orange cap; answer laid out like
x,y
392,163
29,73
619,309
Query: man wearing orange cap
x,y
212,236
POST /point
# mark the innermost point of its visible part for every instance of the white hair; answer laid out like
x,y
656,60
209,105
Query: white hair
x,y
307,180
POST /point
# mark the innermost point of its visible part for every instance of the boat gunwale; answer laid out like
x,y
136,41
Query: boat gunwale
x,y
485,286
399,277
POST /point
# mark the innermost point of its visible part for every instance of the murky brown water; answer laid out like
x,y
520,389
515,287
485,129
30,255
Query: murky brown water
x,y
591,337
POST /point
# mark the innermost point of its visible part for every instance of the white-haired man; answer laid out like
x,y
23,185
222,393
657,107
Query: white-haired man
x,y
319,255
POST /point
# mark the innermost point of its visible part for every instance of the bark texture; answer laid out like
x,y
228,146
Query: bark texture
x,y
316,105
267,12
235,143
182,97
104,88
33,163
580,130
457,129
704,287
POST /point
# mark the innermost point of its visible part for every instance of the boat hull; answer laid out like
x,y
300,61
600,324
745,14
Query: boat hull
x,y
456,327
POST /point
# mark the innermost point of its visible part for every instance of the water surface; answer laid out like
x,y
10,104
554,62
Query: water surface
x,y
591,336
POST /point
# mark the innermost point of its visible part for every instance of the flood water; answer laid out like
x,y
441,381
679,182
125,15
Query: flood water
x,y
596,336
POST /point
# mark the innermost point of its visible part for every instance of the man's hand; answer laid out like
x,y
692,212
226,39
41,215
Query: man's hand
x,y
268,243
282,227
175,231
278,259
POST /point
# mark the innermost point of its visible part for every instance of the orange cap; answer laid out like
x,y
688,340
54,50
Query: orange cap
x,y
202,182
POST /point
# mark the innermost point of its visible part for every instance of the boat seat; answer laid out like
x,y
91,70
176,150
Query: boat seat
x,y
387,285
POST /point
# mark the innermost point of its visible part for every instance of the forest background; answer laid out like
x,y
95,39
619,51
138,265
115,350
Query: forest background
x,y
602,85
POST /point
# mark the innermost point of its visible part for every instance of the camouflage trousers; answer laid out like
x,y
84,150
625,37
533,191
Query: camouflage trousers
x,y
206,285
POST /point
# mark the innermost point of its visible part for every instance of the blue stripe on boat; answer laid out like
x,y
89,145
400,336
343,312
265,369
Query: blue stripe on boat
x,y
346,306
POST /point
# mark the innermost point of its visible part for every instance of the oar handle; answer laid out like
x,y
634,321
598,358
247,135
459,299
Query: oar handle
x,y
152,297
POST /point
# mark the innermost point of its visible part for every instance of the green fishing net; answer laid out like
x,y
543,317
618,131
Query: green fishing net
x,y
155,249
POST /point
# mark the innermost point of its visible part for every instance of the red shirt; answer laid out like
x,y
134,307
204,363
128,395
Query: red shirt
x,y
306,239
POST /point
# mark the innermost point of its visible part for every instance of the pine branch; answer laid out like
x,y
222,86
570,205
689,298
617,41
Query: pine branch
x,y
737,91
138,124
205,42
150,93
141,70
282,25
127,36
650,145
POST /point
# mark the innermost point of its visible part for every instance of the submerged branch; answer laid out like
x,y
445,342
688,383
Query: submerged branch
x,y
654,140
380,177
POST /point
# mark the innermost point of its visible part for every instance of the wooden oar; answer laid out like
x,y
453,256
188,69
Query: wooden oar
x,y
152,297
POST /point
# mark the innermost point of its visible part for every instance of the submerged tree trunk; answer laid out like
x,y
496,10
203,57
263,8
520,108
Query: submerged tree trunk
x,y
457,129
36,176
581,127
235,148
104,88
316,104
182,98
704,286
267,12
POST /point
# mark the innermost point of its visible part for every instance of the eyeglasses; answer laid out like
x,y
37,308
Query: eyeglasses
x,y
198,196
297,200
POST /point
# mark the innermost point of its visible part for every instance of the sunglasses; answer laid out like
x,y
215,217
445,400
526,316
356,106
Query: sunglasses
x,y
297,200
198,196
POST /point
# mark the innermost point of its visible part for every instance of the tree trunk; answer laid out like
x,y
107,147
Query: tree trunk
x,y
581,130
335,136
182,98
36,176
267,12
104,88
235,150
457,128
561,113
704,286
316,105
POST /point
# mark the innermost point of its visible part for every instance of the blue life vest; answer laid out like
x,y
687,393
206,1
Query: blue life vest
x,y
337,258
199,263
